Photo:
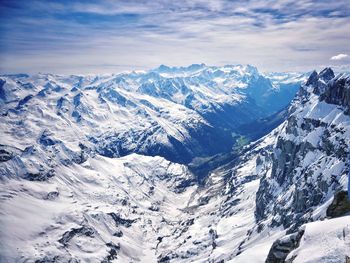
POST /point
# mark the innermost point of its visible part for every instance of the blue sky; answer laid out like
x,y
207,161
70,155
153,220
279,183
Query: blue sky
x,y
76,37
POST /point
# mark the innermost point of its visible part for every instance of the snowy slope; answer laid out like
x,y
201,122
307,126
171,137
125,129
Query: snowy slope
x,y
324,241
177,113
87,210
134,208
68,196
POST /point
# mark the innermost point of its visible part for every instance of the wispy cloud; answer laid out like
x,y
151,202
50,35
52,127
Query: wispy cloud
x,y
63,36
339,57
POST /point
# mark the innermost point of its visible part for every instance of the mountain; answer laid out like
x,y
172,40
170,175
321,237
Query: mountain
x,y
311,155
67,194
176,113
309,166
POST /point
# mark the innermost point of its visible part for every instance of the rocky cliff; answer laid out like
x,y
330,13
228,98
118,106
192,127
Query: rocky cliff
x,y
310,157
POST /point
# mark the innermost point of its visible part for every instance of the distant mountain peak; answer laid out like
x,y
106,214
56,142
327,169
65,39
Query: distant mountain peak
x,y
312,80
327,74
167,69
163,67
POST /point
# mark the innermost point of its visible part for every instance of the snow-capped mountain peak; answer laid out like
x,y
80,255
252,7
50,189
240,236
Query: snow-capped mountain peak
x,y
92,162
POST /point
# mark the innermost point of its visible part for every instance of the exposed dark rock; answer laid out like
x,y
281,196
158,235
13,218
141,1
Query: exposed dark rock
x,y
118,233
312,80
283,246
46,140
184,184
164,259
77,99
81,231
121,221
305,188
327,74
84,154
154,207
41,176
340,205
2,90
112,253
5,155
52,195
27,85
188,222
56,259
213,234
338,92
46,259
159,239
319,81
23,102
76,115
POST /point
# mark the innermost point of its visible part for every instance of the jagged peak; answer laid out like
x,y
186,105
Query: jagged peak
x,y
196,66
327,74
344,75
338,92
312,79
165,68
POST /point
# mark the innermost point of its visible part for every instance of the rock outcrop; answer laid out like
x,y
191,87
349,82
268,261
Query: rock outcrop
x,y
310,159
340,205
338,92
283,246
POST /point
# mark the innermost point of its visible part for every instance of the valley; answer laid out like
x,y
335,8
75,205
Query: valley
x,y
175,164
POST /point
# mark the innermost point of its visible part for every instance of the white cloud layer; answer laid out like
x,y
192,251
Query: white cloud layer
x,y
105,36
339,57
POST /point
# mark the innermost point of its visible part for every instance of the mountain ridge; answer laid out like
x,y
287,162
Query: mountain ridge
x,y
206,110
253,204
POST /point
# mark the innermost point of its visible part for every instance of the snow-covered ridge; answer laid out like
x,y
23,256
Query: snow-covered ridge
x,y
310,160
303,173
55,129
100,210
132,208
60,132
177,117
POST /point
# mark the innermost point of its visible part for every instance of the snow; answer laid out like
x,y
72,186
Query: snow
x,y
324,241
314,136
87,193
258,252
162,211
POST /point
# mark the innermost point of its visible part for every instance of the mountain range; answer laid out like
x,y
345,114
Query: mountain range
x,y
175,164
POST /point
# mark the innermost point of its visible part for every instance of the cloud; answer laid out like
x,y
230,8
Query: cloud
x,y
70,36
339,57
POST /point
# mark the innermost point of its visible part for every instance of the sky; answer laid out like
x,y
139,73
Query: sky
x,y
104,36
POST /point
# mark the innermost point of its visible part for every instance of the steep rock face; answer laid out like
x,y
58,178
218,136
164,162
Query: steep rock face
x,y
338,92
283,246
310,159
340,205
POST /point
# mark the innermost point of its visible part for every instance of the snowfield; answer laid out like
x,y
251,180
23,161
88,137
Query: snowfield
x,y
324,241
98,168
127,202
